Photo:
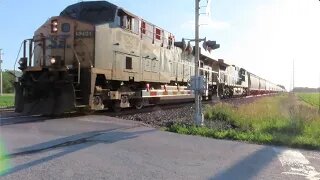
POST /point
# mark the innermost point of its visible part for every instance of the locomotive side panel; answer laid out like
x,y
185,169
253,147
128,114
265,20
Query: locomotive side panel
x,y
104,50
126,61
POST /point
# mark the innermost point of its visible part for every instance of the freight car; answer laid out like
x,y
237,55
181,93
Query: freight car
x,y
97,55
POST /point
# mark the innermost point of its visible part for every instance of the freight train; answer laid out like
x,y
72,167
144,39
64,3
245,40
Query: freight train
x,y
96,55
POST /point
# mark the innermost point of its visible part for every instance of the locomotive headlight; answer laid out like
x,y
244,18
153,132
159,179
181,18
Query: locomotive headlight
x,y
54,29
55,22
20,61
54,26
53,60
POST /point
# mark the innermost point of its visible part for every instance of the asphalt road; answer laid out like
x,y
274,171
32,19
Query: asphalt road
x,y
101,147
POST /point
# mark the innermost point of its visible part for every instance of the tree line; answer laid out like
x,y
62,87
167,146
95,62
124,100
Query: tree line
x,y
7,81
306,89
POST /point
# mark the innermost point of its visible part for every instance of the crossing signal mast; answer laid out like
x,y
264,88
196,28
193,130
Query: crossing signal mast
x,y
197,81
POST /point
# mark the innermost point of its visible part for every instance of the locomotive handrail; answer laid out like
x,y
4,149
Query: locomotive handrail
x,y
79,64
91,58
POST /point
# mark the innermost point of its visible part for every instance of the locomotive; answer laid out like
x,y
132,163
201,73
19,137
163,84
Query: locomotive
x,y
96,55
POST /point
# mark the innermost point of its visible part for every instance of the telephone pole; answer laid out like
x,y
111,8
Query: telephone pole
x,y
1,85
293,76
319,96
198,113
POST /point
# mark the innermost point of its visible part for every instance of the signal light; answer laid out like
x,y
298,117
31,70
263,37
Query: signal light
x,y
54,26
181,44
210,45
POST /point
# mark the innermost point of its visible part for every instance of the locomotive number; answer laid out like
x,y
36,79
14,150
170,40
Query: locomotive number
x,y
84,34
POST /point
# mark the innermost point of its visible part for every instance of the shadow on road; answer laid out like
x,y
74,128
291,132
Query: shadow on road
x,y
249,167
72,144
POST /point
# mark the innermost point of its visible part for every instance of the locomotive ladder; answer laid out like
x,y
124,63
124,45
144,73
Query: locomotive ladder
x,y
78,94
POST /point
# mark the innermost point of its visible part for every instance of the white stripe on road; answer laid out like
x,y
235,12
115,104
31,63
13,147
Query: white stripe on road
x,y
295,163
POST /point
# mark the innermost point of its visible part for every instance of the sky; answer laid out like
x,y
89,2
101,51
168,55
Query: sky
x,y
262,36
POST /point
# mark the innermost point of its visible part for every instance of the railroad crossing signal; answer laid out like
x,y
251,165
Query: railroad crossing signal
x,y
210,45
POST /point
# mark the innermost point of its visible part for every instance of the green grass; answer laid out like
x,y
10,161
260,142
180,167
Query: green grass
x,y
310,98
279,120
6,100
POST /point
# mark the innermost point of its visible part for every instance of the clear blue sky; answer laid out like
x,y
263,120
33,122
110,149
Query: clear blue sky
x,y
243,28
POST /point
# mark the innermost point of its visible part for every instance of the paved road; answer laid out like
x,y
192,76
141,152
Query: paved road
x,y
101,147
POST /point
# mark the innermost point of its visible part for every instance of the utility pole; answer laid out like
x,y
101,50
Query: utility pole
x,y
319,96
198,113
293,76
1,85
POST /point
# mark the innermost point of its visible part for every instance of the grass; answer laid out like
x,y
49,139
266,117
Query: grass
x,y
6,100
310,98
278,120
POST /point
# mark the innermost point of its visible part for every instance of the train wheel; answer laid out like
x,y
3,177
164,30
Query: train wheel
x,y
230,92
226,93
221,91
138,103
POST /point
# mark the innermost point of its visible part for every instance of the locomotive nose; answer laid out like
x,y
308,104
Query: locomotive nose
x,y
52,41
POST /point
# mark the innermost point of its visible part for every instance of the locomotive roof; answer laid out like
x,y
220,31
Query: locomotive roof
x,y
94,12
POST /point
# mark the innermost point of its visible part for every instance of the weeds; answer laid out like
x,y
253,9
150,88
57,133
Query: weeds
x,y
279,120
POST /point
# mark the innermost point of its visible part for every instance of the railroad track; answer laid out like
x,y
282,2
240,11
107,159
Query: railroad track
x,y
5,109
173,105
8,116
165,115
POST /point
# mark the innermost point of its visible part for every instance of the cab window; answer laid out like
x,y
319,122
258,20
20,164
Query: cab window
x,y
128,22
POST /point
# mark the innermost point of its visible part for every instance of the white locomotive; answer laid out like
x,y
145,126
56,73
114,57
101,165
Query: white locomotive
x,y
97,55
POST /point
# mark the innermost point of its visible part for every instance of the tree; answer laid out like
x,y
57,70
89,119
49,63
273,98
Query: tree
x,y
8,80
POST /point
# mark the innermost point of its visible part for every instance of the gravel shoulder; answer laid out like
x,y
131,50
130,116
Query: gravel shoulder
x,y
163,117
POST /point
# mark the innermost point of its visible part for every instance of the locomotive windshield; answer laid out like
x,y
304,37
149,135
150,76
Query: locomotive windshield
x,y
93,12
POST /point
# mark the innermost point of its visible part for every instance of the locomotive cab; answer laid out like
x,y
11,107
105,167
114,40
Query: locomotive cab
x,y
59,73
